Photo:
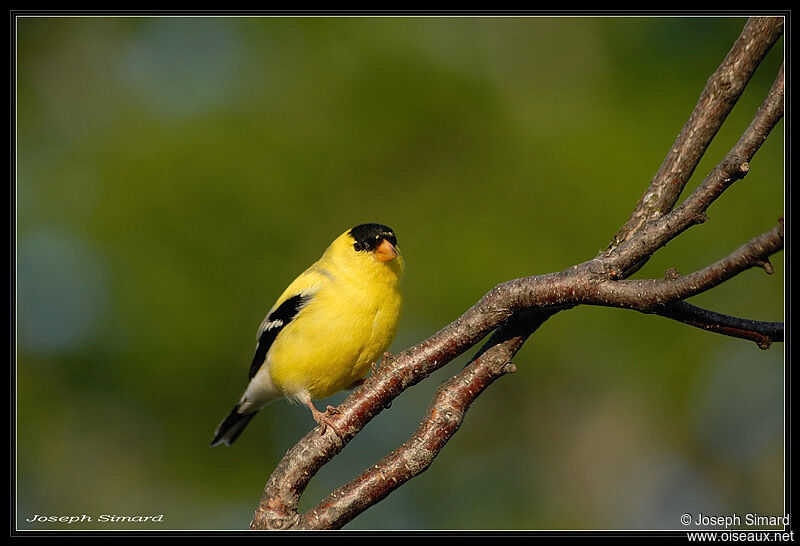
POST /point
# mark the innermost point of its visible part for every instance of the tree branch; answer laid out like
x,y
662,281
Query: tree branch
x,y
442,420
651,295
515,309
763,333
547,293
722,91
623,260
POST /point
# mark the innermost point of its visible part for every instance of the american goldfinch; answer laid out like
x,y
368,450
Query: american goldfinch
x,y
327,328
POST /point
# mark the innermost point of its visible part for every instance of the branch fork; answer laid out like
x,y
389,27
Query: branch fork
x,y
512,311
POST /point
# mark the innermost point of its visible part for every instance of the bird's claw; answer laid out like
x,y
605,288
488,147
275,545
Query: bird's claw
x,y
324,421
386,356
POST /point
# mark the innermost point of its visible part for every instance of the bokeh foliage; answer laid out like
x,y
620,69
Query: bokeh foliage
x,y
174,174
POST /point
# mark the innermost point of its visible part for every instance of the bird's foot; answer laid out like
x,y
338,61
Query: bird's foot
x,y
386,356
322,418
324,421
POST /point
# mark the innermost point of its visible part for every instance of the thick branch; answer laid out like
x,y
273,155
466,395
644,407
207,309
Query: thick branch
x,y
722,91
278,506
442,420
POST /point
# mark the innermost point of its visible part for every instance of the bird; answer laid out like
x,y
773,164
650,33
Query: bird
x,y
326,330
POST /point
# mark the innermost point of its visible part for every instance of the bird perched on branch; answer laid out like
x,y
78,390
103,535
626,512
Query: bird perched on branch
x,y
327,328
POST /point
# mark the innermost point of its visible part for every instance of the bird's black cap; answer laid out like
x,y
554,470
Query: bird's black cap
x,y
371,235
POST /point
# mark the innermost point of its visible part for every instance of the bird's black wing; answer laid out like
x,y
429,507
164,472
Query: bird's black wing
x,y
273,324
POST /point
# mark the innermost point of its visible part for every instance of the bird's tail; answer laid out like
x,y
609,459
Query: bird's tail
x,y
231,427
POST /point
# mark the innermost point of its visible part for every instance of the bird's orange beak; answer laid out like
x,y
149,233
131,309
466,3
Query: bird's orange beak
x,y
385,251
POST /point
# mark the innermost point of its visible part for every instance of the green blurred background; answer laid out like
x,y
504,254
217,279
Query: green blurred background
x,y
174,174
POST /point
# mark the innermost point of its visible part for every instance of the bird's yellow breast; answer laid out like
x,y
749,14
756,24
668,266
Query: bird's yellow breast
x,y
347,325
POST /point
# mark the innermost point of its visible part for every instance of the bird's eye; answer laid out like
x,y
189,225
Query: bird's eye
x,y
358,247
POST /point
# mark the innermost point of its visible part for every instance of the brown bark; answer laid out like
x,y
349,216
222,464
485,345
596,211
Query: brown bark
x,y
515,309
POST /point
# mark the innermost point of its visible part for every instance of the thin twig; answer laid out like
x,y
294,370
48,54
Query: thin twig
x,y
762,333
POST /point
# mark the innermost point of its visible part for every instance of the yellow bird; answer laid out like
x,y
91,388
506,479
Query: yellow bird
x,y
327,328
